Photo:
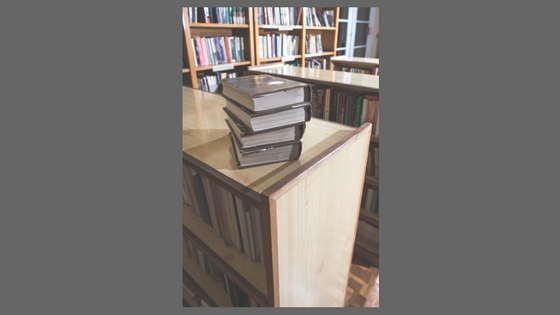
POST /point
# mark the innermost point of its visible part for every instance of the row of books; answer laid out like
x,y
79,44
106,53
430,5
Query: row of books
x,y
211,51
266,116
313,17
370,199
368,233
277,15
237,297
345,107
232,219
372,167
221,15
316,63
313,44
277,45
374,70
211,82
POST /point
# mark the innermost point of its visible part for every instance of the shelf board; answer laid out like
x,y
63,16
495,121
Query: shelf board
x,y
275,27
237,64
369,217
372,181
186,70
215,25
355,62
374,138
206,287
321,28
278,58
325,53
367,251
249,275
189,299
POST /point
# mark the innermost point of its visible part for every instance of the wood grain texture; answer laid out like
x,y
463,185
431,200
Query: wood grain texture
x,y
205,138
354,81
316,225
363,289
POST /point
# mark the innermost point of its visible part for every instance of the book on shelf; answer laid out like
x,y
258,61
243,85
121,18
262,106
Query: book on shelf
x,y
248,139
218,15
263,92
268,119
265,154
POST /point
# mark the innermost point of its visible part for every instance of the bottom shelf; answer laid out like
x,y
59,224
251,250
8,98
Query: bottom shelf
x,y
206,287
189,300
367,252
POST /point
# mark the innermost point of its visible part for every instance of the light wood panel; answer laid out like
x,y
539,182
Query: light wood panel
x,y
316,233
205,137
354,81
355,62
253,272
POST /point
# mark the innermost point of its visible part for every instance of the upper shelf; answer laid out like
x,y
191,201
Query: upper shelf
x,y
355,81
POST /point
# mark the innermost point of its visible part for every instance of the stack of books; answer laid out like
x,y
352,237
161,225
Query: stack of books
x,y
266,116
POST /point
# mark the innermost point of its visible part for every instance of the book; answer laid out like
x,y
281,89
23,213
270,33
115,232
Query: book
x,y
262,155
268,119
249,139
264,92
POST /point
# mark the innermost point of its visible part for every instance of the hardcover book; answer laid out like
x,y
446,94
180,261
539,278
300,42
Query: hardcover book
x,y
264,154
248,139
266,120
265,92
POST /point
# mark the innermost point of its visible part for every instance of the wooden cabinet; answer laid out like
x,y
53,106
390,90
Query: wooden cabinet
x,y
309,210
346,82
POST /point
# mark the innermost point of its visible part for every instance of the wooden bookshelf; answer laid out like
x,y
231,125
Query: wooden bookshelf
x,y
309,221
190,71
329,36
354,82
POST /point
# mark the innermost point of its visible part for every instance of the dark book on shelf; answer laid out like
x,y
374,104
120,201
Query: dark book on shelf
x,y
264,92
263,155
266,120
248,139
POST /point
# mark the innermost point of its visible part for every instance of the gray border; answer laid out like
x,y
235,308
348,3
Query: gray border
x,y
91,160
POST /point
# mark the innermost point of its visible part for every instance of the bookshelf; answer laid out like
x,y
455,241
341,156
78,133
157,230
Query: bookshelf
x,y
308,219
355,63
218,60
301,29
352,82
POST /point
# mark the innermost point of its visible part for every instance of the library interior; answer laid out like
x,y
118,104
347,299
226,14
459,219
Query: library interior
x,y
280,157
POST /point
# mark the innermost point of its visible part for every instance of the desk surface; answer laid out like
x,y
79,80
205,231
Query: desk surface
x,y
205,138
358,81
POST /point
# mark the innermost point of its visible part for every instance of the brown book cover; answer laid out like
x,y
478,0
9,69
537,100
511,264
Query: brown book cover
x,y
258,155
264,92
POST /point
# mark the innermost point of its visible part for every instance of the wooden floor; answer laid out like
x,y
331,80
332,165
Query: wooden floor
x,y
363,286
